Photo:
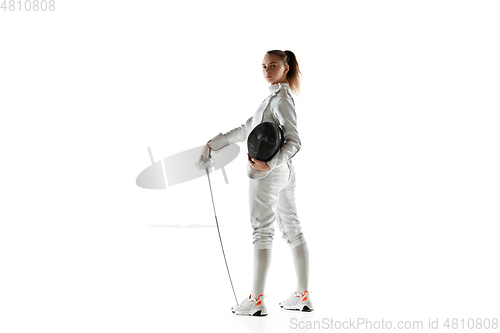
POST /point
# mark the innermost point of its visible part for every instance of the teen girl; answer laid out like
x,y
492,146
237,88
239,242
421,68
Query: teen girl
x,y
272,185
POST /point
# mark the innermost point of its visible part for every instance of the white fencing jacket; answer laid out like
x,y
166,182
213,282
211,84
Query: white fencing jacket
x,y
278,108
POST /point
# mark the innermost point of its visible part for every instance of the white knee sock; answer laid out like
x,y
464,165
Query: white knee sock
x,y
300,256
261,263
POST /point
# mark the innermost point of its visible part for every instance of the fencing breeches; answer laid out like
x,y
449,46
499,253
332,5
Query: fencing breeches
x,y
273,199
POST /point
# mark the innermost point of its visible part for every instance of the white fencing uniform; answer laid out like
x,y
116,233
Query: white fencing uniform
x,y
271,193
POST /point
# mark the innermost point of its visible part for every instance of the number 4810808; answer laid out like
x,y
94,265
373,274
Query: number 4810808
x,y
28,5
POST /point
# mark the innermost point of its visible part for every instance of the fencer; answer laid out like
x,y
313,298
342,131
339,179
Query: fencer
x,y
272,186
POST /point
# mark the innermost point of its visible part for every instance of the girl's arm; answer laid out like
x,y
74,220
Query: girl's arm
x,y
284,114
239,134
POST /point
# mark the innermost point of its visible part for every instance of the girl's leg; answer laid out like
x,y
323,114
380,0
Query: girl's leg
x,y
263,197
300,256
289,225
261,263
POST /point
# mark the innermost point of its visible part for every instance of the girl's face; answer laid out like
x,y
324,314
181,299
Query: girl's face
x,y
273,69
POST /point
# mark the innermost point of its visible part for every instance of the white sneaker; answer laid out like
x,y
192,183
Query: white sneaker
x,y
298,302
251,307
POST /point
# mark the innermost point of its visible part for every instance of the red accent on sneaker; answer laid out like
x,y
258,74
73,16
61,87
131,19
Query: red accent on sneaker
x,y
258,303
304,299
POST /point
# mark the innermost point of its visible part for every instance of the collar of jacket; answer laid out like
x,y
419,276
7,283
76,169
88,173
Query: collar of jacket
x,y
276,87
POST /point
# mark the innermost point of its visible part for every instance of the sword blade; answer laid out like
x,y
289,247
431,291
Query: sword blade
x,y
217,223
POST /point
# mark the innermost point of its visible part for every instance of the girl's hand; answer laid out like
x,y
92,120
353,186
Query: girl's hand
x,y
258,165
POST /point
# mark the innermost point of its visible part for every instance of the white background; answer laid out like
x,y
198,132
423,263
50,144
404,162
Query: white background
x,y
397,179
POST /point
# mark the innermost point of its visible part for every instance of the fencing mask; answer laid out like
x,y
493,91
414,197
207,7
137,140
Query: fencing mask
x,y
265,140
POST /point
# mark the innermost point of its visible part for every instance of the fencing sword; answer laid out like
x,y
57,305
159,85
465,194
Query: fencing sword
x,y
206,163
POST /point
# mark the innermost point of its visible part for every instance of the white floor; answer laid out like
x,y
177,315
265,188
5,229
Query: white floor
x,y
145,274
